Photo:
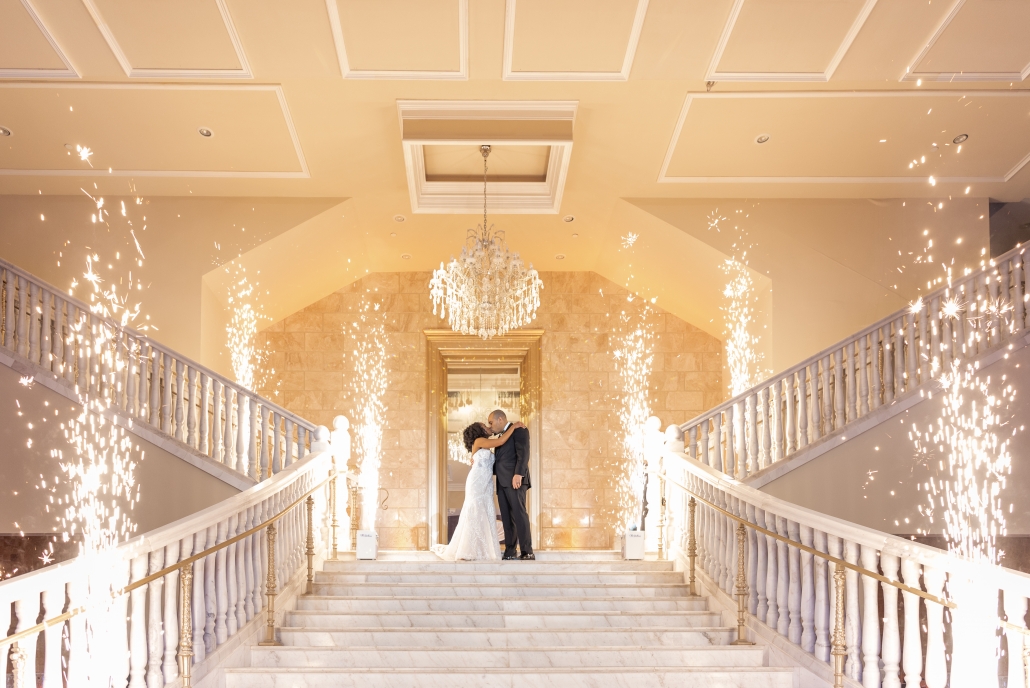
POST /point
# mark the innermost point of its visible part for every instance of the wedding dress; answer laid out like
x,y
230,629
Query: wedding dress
x,y
475,536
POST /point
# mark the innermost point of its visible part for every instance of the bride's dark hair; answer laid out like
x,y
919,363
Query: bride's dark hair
x,y
473,433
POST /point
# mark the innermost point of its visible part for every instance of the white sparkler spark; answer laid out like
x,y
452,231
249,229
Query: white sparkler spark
x,y
84,154
741,357
248,360
26,380
714,218
629,240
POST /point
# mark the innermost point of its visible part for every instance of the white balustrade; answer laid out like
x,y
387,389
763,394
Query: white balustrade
x,y
141,630
886,635
144,381
892,358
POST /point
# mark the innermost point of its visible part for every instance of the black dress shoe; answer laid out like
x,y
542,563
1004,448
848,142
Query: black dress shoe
x,y
528,557
509,556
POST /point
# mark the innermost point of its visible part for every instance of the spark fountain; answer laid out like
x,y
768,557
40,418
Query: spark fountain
x,y
742,359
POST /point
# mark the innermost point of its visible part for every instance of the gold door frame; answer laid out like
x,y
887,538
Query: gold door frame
x,y
444,349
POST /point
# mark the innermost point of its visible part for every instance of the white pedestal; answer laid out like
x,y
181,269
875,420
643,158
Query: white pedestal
x,y
368,544
633,544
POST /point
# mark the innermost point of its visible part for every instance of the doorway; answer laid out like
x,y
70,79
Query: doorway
x,y
467,378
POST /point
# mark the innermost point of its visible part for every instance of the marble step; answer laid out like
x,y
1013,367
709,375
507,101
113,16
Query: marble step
x,y
563,578
499,658
523,620
499,591
609,677
349,637
636,605
538,566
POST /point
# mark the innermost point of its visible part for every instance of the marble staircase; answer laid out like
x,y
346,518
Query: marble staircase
x,y
560,623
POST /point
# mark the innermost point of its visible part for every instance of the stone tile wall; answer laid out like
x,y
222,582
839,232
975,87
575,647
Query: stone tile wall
x,y
580,315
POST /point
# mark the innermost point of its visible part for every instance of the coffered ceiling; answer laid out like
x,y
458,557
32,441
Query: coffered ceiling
x,y
858,98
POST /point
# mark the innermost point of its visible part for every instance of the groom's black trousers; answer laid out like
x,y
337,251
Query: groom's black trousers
x,y
514,518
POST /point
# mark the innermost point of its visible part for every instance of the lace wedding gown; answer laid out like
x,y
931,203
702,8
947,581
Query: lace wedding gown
x,y
475,536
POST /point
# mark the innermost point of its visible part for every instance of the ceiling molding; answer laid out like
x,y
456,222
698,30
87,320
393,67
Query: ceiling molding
x,y
303,173
664,178
462,74
503,197
714,74
622,75
69,72
158,72
956,76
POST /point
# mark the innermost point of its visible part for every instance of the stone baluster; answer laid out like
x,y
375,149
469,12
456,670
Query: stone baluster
x,y
759,552
199,604
253,430
231,576
46,354
180,403
81,355
936,672
53,605
802,408
26,610
691,445
814,406
246,576
912,657
267,441
705,457
1018,306
772,617
753,453
850,381
302,438
807,592
155,626
794,585
877,356
838,390
728,539
228,449
900,383
789,422
241,428
765,457
217,441
991,282
166,401
70,354
260,558
57,360
717,442
729,462
10,289
752,560
221,584
821,647
77,671
958,347
210,592
828,396
277,458
888,364
834,547
740,438
923,351
890,652
33,322
863,375
852,629
131,379
871,620
191,425
782,579
911,353
23,318
169,667
204,441
137,625
1015,613
776,400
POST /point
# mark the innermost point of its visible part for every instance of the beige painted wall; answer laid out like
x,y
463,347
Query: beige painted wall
x,y
184,239
579,313
169,488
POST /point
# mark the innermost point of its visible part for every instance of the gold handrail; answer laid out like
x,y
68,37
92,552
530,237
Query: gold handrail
x,y
811,550
47,623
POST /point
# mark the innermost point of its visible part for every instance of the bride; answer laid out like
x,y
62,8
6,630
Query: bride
x,y
475,536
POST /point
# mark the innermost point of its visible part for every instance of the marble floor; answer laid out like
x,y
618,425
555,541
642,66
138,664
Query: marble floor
x,y
571,621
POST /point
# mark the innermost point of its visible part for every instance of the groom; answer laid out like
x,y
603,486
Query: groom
x,y
511,466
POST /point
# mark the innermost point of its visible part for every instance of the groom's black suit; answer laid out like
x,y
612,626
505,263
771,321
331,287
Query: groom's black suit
x,y
511,459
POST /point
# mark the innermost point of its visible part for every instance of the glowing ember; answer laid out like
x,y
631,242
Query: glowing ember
x,y
26,380
741,357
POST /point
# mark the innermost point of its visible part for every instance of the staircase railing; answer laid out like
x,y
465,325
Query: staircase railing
x,y
848,381
175,396
804,575
156,607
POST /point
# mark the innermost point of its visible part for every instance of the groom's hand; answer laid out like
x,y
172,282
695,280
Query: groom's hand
x,y
516,481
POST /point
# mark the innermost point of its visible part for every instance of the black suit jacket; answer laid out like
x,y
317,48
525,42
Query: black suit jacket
x,y
512,458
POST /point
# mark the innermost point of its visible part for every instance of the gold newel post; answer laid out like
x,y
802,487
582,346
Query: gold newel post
x,y
309,550
840,648
270,586
692,545
741,589
17,666
185,655
355,516
662,554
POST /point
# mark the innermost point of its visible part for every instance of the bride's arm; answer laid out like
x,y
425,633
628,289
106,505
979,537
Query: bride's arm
x,y
487,443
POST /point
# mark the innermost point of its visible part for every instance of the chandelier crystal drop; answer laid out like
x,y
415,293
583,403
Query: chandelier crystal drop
x,y
487,290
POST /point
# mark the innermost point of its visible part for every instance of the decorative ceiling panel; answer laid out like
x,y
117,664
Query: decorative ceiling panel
x,y
27,49
149,130
884,136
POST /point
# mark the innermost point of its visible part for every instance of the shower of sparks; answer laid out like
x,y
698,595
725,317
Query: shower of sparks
x,y
629,240
714,220
741,357
634,359
370,379
84,154
247,358
26,380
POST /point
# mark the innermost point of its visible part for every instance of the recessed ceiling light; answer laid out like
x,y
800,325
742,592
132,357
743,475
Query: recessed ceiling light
x,y
762,138
575,236
560,256
4,131
393,234
960,138
399,218
205,132
406,256
568,218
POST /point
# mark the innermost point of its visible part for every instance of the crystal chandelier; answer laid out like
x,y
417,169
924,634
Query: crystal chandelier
x,y
487,290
